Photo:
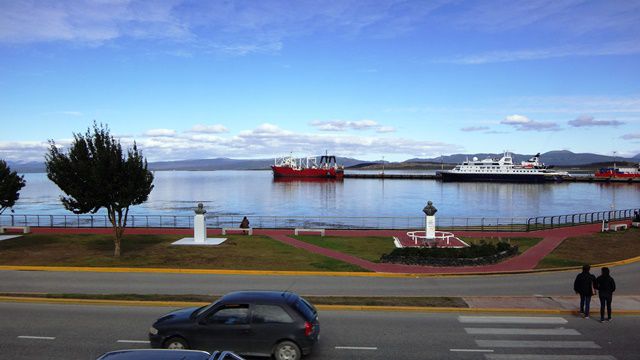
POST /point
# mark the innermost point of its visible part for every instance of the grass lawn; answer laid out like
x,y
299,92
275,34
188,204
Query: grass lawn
x,y
239,252
372,248
524,243
368,248
594,249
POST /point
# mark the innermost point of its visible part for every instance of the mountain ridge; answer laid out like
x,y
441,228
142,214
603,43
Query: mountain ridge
x,y
555,157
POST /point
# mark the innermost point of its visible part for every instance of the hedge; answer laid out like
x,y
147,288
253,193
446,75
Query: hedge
x,y
476,254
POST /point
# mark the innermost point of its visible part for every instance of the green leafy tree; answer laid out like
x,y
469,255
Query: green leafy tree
x,y
95,174
10,185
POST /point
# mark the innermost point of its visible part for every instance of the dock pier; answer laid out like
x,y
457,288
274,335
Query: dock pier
x,y
590,179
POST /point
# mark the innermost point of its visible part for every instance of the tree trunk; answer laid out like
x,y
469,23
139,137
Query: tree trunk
x,y
116,224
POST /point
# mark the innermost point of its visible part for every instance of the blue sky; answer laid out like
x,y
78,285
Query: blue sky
x,y
365,79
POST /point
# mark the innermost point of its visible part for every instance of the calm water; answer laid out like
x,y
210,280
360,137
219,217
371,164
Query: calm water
x,y
256,193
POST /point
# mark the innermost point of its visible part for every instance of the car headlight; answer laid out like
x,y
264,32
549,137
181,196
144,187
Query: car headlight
x,y
153,331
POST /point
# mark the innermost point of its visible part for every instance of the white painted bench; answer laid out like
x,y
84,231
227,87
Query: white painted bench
x,y
25,229
635,224
299,230
247,230
618,227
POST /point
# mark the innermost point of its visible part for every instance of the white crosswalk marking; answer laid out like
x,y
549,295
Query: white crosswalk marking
x,y
546,357
510,320
513,331
503,326
538,344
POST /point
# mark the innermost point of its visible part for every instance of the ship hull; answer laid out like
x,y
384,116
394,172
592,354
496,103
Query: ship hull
x,y
516,178
611,174
287,172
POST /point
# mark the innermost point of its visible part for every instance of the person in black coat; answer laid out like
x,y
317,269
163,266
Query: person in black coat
x,y
605,286
584,285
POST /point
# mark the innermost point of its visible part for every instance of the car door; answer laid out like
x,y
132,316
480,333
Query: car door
x,y
224,328
270,323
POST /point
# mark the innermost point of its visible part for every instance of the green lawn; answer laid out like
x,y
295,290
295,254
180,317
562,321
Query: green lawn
x,y
368,248
239,252
593,249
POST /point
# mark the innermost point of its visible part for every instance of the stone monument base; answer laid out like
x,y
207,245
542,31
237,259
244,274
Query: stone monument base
x,y
206,242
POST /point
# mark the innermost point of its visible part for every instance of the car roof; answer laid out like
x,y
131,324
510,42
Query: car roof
x,y
260,297
155,354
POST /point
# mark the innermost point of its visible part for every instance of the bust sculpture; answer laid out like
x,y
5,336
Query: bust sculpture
x,y
200,209
430,210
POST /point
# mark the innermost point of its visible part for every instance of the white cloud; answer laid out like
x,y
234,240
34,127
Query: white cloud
x,y
344,125
589,121
632,136
523,123
498,56
209,129
474,128
386,129
160,133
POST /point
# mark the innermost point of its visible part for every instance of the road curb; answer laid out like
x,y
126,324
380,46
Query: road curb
x,y
182,304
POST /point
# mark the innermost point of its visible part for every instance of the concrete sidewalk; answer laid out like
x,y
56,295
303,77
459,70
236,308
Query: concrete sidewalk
x,y
620,304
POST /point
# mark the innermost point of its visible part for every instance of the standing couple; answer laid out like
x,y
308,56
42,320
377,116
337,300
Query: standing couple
x,y
588,285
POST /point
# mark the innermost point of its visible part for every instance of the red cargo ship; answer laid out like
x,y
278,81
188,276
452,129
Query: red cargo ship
x,y
289,167
616,172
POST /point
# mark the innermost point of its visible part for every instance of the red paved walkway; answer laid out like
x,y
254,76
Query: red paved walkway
x,y
527,261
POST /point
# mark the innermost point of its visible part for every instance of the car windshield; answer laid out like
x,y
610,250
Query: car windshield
x,y
204,309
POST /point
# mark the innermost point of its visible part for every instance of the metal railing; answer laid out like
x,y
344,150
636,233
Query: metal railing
x,y
550,222
326,222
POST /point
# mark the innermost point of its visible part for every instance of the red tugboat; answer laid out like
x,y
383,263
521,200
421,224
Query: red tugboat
x,y
289,167
619,172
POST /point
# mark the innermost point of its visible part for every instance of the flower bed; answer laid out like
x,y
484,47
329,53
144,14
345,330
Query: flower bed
x,y
480,254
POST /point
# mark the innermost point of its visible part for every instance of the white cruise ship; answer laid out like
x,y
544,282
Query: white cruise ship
x,y
502,170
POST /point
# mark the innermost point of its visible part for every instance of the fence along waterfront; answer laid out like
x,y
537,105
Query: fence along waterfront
x,y
290,222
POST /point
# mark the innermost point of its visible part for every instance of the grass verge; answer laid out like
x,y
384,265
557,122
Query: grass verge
x,y
239,252
423,301
367,248
593,249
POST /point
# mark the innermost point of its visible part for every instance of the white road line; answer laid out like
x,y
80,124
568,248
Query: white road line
x,y
134,341
511,320
36,337
472,350
546,357
537,344
356,348
507,331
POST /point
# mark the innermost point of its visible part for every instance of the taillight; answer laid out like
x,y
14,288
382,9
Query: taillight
x,y
308,328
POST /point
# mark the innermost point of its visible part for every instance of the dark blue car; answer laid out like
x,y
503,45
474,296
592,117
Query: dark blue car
x,y
258,323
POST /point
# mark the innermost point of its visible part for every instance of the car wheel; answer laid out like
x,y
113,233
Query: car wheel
x,y
287,350
176,343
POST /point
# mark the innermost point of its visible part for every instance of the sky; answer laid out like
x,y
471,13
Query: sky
x,y
383,79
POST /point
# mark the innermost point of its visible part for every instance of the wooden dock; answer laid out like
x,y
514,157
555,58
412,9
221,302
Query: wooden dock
x,y
581,179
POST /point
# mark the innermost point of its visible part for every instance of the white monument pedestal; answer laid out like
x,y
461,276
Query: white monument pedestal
x,y
199,229
431,227
199,234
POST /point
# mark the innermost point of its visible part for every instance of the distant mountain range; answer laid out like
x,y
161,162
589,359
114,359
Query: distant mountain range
x,y
558,158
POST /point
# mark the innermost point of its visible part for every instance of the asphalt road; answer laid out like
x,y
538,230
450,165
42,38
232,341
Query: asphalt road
x,y
548,284
42,331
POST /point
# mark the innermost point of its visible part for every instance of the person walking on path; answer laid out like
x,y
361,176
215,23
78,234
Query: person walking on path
x,y
605,286
584,285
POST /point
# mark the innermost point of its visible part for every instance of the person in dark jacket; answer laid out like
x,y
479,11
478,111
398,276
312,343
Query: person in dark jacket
x,y
605,286
244,224
584,285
